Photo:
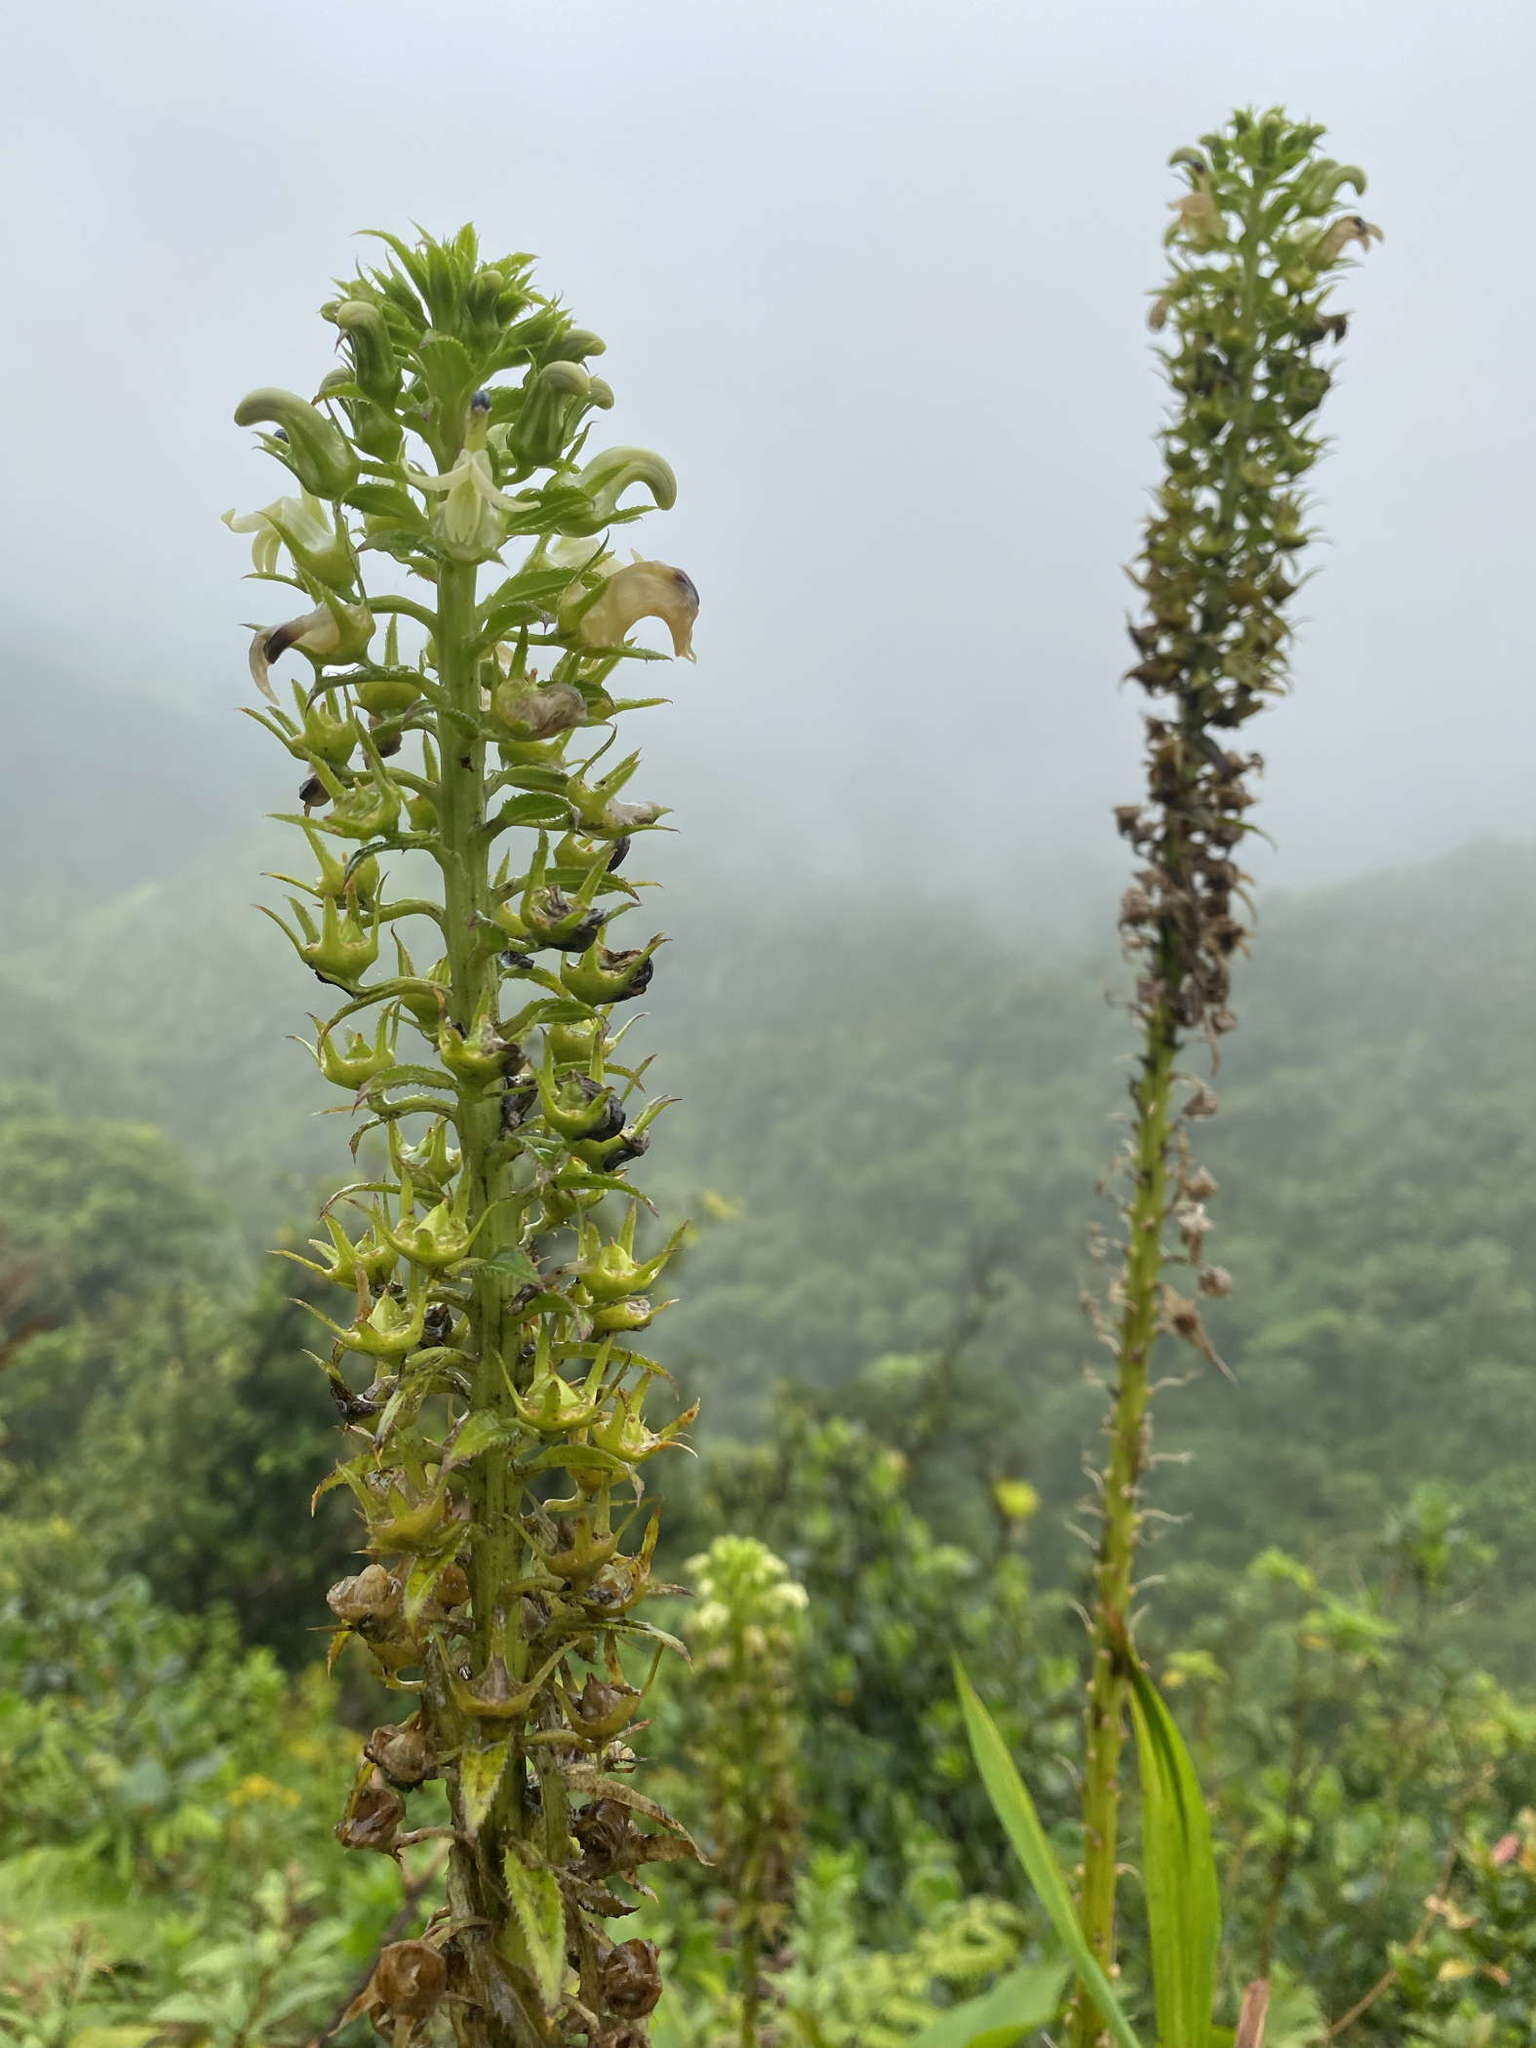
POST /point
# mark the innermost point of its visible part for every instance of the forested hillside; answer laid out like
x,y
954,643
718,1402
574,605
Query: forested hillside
x,y
887,1137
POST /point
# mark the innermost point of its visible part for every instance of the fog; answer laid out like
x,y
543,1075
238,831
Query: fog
x,y
873,277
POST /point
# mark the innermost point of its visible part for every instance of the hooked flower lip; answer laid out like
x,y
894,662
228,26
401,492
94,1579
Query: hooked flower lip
x,y
642,590
319,632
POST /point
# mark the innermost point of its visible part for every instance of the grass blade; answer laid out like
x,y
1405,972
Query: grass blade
x,y
1178,1872
1016,1810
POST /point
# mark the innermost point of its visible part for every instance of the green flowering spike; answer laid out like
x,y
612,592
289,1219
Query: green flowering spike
x,y
747,1635
495,1403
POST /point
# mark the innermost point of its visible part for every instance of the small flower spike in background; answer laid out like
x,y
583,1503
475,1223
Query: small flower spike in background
x,y
453,632
1256,241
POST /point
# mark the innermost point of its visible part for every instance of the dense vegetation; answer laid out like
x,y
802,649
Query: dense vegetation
x,y
894,1240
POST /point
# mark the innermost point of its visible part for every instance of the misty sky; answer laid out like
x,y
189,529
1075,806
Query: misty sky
x,y
873,277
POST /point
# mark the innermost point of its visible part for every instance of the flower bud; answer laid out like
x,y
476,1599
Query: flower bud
x,y
313,449
576,344
538,432
373,356
608,476
387,692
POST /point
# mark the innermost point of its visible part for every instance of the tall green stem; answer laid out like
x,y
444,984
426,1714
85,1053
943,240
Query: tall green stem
x,y
1246,304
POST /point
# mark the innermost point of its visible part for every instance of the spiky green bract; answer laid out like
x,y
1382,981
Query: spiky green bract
x,y
485,1360
1257,237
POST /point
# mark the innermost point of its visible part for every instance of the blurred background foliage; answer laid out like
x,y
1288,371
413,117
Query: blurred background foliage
x,y
893,1195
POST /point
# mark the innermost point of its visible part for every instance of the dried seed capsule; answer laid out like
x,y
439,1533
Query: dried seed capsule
x,y
632,1978
367,1600
604,1830
402,1753
373,1817
410,1978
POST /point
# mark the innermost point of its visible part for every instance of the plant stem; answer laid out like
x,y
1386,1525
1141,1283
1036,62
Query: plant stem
x,y
495,1554
1128,1427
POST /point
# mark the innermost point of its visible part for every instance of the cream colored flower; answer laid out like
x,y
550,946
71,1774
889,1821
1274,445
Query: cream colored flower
x,y
642,590
468,522
299,524
340,629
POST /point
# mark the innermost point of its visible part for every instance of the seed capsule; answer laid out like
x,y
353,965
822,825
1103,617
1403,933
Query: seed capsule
x,y
410,1978
632,1978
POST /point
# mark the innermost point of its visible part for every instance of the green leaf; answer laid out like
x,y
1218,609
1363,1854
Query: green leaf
x,y
534,1939
508,1260
1018,2004
576,1458
385,501
485,1430
1178,1871
542,808
522,599
480,1774
408,1077
127,2036
1016,1810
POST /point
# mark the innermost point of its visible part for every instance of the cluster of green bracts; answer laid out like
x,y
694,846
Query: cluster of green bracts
x,y
1256,240
457,724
